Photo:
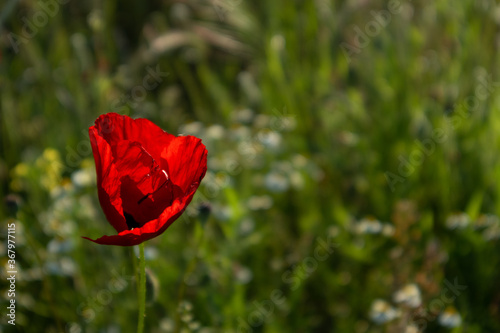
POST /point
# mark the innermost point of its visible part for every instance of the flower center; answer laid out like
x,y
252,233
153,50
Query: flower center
x,y
146,189
163,172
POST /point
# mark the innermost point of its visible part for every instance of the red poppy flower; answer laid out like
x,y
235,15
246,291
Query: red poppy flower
x,y
145,176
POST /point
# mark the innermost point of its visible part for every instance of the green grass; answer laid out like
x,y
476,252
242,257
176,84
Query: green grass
x,y
305,146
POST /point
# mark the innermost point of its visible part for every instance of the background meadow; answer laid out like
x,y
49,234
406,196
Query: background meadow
x,y
353,183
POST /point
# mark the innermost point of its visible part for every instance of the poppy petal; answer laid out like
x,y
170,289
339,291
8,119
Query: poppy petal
x,y
184,156
108,181
115,128
150,229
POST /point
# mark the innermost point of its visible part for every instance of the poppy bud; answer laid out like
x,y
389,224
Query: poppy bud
x,y
204,210
13,202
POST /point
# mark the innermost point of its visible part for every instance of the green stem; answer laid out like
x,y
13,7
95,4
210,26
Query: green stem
x,y
141,287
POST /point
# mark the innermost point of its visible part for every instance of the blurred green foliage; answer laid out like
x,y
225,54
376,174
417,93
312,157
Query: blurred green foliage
x,y
322,119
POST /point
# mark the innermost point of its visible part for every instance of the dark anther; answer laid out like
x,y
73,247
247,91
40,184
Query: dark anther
x,y
131,222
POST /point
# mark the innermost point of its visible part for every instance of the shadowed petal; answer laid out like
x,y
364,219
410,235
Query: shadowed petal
x,y
108,181
151,229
